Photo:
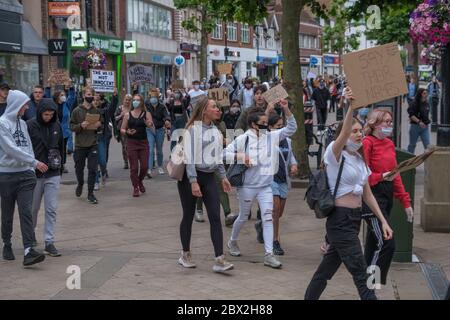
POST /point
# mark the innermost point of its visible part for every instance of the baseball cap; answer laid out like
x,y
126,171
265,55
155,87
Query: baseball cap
x,y
5,85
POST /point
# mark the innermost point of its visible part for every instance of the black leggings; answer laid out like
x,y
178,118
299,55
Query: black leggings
x,y
210,192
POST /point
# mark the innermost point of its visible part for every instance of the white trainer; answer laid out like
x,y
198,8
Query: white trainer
x,y
186,260
221,265
271,261
234,248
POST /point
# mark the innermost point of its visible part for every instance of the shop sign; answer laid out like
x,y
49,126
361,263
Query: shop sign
x,y
189,47
179,61
63,8
186,55
106,44
79,39
103,80
315,60
161,59
330,60
129,47
57,47
140,74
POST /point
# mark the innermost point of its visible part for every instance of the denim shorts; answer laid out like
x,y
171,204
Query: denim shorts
x,y
280,189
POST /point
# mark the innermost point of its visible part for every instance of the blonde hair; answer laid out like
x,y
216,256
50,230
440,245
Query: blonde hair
x,y
199,110
374,119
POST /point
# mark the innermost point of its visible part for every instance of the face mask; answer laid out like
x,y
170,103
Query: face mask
x,y
63,99
177,97
363,112
136,104
89,99
196,87
154,101
230,81
235,110
386,131
353,146
262,126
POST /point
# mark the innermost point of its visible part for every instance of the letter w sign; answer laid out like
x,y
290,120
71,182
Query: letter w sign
x,y
57,47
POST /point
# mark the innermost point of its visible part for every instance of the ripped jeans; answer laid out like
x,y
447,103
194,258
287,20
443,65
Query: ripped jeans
x,y
265,200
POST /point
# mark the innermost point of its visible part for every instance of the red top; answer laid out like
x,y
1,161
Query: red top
x,y
380,156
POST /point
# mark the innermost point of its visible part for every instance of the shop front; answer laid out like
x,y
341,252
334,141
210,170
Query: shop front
x,y
266,68
243,60
330,64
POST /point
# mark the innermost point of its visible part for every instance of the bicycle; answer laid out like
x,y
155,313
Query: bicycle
x,y
322,140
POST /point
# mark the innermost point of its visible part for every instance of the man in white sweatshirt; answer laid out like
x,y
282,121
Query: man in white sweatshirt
x,y
17,176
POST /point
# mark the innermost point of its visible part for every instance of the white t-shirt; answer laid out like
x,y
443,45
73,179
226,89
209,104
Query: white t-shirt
x,y
194,94
355,173
248,98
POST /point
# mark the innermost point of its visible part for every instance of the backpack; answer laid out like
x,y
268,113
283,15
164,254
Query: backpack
x,y
318,195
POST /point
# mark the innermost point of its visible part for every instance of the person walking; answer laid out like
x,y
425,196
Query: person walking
x,y
281,182
86,143
380,155
344,222
245,96
259,175
48,140
320,98
17,177
434,93
419,111
35,99
4,89
412,90
156,134
119,115
134,125
230,118
199,181
178,114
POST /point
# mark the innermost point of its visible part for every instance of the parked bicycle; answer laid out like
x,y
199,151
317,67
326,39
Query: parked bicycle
x,y
322,140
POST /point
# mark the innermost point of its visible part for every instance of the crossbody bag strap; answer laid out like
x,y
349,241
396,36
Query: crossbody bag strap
x,y
338,180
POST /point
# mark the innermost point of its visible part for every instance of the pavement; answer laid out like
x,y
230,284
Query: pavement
x,y
127,248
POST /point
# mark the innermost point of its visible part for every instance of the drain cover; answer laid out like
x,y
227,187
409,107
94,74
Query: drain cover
x,y
437,280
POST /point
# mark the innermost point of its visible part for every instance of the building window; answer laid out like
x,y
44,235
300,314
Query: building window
x,y
147,18
217,32
100,10
270,38
89,14
232,31
111,14
249,69
308,42
245,33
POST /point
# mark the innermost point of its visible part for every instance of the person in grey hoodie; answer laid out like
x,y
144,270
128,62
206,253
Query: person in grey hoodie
x,y
17,176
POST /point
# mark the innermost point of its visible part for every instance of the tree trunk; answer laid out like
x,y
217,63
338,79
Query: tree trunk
x,y
415,62
293,79
204,47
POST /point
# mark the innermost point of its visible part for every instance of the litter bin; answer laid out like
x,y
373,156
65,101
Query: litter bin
x,y
403,230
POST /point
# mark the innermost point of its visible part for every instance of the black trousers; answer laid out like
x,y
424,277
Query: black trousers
x,y
80,155
17,187
333,103
379,251
210,192
342,230
322,114
64,155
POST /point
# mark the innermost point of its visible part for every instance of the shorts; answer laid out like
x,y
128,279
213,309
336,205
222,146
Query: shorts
x,y
280,190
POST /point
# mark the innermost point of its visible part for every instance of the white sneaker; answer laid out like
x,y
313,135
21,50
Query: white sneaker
x,y
271,261
234,248
221,265
199,216
96,187
186,260
161,171
149,173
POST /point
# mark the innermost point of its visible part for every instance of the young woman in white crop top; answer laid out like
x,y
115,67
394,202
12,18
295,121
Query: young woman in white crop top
x,y
344,222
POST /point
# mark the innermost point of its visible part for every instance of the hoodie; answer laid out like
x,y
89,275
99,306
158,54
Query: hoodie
x,y
45,136
16,150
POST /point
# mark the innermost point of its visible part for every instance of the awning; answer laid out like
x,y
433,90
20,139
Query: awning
x,y
11,6
31,41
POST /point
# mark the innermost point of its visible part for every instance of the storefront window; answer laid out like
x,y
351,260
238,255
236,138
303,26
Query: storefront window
x,y
20,71
147,18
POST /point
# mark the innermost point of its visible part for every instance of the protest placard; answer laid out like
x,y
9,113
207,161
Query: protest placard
x,y
225,68
177,84
220,95
275,94
103,80
140,74
59,77
92,119
375,74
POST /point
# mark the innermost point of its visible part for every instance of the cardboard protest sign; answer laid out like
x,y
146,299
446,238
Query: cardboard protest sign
x,y
225,68
59,77
140,74
410,163
92,119
375,74
220,95
275,94
227,86
103,80
177,84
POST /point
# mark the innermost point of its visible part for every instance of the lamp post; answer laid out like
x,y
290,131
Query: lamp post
x,y
443,132
226,42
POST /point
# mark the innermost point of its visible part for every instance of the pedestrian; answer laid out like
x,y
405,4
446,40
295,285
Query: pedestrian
x,y
86,142
287,165
412,90
230,119
320,98
333,94
344,222
199,181
119,114
17,177
156,134
63,103
380,155
35,99
47,137
419,111
434,92
246,94
361,115
178,113
259,175
4,89
134,125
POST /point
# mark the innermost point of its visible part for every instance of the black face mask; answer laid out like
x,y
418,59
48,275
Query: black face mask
x,y
89,99
262,126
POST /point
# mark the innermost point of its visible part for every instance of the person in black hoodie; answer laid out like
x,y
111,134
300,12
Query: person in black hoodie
x,y
48,145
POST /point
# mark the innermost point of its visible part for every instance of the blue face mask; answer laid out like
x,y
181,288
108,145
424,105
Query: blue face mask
x,y
363,112
386,131
154,101
136,104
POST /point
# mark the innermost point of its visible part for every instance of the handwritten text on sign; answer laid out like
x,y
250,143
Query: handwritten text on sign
x,y
375,74
275,94
103,80
220,95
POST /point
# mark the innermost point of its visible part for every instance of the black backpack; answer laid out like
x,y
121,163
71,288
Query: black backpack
x,y
318,194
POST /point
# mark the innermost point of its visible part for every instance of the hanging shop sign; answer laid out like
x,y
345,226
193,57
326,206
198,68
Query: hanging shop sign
x,y
63,8
79,39
179,61
129,46
57,47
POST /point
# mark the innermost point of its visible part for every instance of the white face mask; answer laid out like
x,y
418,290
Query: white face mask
x,y
230,81
353,146
63,99
196,87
